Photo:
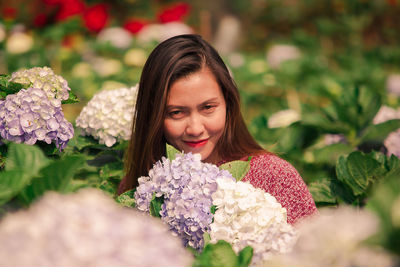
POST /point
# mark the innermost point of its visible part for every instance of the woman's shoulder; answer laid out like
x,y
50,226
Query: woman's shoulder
x,y
270,163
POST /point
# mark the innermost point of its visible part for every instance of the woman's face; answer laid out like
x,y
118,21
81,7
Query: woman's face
x,y
195,115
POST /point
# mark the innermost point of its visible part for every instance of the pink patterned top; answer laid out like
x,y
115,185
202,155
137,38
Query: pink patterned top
x,y
280,179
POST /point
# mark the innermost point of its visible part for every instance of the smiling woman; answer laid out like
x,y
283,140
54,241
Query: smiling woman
x,y
187,98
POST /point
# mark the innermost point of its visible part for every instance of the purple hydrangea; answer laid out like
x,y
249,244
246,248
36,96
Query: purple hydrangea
x,y
29,116
186,184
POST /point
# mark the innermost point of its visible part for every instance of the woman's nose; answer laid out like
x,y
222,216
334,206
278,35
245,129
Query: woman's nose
x,y
195,125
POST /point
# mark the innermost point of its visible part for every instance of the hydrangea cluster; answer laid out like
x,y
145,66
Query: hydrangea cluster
x,y
45,79
186,184
87,229
108,115
248,216
335,238
29,116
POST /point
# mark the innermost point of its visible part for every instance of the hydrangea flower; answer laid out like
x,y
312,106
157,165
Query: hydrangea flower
x,y
87,229
248,216
108,115
29,116
335,238
186,185
43,78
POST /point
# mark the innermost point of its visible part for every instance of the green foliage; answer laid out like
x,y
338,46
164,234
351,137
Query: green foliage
x,y
237,168
385,202
155,205
7,88
28,173
127,199
221,254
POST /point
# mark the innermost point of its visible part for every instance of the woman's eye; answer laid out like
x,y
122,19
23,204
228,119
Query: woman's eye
x,y
175,114
209,108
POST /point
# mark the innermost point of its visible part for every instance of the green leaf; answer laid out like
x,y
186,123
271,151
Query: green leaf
x,y
155,205
322,192
127,199
213,209
329,154
11,183
171,152
245,256
71,99
379,132
7,88
56,176
207,238
359,171
237,168
220,254
26,158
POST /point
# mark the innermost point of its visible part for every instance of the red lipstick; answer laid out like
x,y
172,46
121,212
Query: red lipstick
x,y
197,143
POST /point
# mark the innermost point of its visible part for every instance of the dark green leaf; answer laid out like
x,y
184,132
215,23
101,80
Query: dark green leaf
x,y
237,168
379,132
329,154
56,176
245,256
11,183
155,205
26,158
71,99
322,192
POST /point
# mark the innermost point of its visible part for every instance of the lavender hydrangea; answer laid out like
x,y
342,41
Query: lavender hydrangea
x,y
29,116
43,78
248,216
108,115
87,229
186,184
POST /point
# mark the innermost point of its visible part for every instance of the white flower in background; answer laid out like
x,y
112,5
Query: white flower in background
x,y
106,66
386,113
392,141
278,54
283,118
19,42
108,115
117,36
2,33
111,85
135,57
248,216
236,60
334,238
160,32
393,84
45,79
82,70
227,35
330,139
87,229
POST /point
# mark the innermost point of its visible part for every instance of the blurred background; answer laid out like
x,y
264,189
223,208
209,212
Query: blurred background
x,y
318,79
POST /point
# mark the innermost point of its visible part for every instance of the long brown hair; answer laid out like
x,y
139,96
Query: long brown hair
x,y
171,60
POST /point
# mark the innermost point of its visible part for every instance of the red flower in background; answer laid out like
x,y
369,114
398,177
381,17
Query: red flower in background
x,y
69,8
134,26
174,13
392,2
40,20
9,13
52,2
96,17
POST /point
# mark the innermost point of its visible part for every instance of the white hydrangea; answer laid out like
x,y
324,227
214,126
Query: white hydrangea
x,y
45,79
116,36
87,229
248,216
335,238
108,115
277,54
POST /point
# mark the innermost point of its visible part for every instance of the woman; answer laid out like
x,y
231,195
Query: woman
x,y
188,98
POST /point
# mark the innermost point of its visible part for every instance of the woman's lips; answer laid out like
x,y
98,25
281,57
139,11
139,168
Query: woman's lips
x,y
196,143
